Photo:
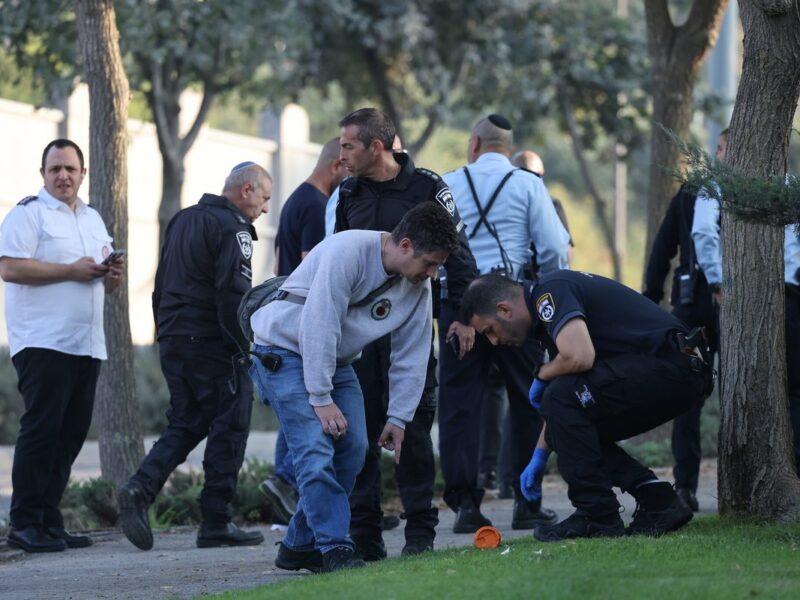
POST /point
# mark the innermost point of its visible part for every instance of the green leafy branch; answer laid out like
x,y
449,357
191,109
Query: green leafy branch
x,y
767,200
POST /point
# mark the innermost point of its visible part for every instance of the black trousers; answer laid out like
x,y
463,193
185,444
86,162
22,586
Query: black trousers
x,y
416,473
493,417
58,390
686,428
618,398
205,402
793,364
461,395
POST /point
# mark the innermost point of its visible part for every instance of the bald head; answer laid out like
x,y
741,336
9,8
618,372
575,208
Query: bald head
x,y
329,153
527,159
329,171
490,134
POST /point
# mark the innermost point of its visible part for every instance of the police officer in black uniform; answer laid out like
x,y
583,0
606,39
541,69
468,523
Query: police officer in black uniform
x,y
383,187
621,366
692,303
202,274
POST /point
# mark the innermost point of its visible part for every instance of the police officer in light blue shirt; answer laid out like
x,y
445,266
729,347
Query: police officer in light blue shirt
x,y
504,209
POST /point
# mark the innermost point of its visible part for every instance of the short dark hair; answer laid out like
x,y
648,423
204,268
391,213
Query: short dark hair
x,y
484,293
429,227
62,143
725,132
372,125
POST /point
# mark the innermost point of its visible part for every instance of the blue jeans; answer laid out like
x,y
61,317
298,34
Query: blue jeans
x,y
284,467
325,469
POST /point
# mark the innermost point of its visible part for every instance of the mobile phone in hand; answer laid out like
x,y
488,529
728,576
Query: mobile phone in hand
x,y
113,257
454,344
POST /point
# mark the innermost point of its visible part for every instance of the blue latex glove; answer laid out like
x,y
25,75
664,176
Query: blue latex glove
x,y
530,481
536,392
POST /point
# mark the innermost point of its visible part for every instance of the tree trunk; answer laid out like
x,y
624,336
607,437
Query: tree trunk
x,y
599,202
677,54
173,173
121,446
756,466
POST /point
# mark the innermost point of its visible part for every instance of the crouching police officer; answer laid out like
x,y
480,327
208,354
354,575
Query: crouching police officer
x,y
202,274
621,366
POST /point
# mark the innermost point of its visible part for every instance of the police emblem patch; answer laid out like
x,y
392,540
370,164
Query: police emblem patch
x,y
445,198
245,244
546,307
380,310
585,396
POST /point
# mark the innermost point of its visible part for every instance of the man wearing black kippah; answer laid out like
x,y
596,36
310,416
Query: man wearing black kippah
x,y
505,209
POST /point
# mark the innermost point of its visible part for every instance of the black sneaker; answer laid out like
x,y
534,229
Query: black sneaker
x,y
417,545
294,560
580,525
371,549
341,558
469,517
529,515
281,497
215,536
70,539
133,515
689,497
658,522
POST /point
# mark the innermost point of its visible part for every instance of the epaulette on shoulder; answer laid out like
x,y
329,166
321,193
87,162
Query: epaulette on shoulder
x,y
429,173
529,171
27,200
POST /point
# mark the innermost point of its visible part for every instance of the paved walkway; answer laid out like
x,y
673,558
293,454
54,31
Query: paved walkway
x,y
175,568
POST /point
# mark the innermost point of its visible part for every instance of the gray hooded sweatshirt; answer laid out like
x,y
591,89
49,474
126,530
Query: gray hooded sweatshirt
x,y
326,331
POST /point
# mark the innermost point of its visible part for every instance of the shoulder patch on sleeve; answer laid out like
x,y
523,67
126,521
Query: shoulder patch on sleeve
x,y
445,199
429,173
27,200
546,307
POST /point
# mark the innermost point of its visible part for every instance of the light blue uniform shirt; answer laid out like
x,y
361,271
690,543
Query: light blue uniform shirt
x,y
523,212
707,244
330,212
791,255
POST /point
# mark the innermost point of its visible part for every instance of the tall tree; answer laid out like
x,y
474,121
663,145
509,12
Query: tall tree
x,y
756,470
121,447
571,62
676,53
408,57
169,46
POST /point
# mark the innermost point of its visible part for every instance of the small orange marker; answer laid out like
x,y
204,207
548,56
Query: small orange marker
x,y
487,537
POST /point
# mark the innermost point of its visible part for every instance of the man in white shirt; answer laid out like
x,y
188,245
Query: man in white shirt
x,y
52,248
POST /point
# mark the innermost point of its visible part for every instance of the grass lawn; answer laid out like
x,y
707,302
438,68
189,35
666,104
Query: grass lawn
x,y
709,558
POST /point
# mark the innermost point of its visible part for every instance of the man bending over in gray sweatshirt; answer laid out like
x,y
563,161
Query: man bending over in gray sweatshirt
x,y
351,289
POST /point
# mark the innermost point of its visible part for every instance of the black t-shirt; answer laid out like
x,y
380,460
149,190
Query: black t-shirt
x,y
302,226
620,320
203,271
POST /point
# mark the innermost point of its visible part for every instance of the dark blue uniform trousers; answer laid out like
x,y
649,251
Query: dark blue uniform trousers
x,y
416,473
461,394
793,364
618,398
204,403
58,391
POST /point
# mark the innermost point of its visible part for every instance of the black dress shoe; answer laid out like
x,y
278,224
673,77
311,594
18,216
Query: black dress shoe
x,y
417,545
294,560
34,539
133,507
469,517
214,536
370,548
72,541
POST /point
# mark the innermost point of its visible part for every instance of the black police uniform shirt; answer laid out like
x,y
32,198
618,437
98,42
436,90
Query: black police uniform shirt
x,y
380,205
302,226
619,320
203,272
